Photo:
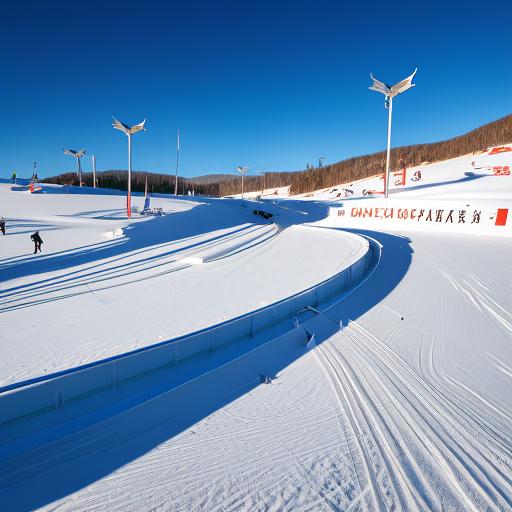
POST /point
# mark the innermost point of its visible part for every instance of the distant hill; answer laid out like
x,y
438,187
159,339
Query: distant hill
x,y
210,178
491,134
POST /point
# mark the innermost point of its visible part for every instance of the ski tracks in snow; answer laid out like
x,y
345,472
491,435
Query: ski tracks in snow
x,y
421,445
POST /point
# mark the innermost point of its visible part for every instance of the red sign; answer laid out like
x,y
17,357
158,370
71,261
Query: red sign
x,y
501,170
401,177
501,217
500,149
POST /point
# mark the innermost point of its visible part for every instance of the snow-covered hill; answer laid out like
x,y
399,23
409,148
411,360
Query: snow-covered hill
x,y
93,293
399,401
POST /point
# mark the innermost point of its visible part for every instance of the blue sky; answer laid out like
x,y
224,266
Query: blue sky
x,y
270,85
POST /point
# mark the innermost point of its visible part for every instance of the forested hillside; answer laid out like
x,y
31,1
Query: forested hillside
x,y
491,134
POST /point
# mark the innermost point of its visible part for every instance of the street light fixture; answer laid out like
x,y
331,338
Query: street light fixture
x,y
77,155
390,92
129,131
243,171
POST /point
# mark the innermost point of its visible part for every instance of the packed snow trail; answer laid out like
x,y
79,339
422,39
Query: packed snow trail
x,y
408,407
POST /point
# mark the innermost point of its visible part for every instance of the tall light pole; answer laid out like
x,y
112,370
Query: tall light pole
x,y
129,131
77,155
243,171
177,162
390,92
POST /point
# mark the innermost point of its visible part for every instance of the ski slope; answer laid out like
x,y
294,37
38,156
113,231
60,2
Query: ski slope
x,y
92,294
411,414
403,401
474,176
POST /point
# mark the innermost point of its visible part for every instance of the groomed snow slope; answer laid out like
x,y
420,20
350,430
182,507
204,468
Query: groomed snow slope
x,y
385,414
406,407
92,294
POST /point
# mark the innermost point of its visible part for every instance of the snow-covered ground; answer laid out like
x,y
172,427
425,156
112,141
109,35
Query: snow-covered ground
x,y
91,294
406,406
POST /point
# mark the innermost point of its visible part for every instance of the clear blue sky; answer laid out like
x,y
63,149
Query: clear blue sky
x,y
270,85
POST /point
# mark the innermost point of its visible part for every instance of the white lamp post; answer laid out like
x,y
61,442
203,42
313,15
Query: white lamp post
x,y
129,131
77,155
390,92
243,171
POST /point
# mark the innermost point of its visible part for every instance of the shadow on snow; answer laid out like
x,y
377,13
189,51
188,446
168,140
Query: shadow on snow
x,y
143,422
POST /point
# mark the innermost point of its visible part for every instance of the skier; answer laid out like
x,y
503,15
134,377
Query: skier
x,y
2,225
13,177
37,241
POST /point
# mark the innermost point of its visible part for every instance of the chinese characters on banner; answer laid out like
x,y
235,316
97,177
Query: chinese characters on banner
x,y
457,216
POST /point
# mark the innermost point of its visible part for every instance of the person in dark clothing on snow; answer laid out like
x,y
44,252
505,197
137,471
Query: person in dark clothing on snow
x,y
2,225
37,241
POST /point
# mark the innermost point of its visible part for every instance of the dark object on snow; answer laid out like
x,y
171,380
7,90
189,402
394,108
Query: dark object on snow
x,y
2,225
37,241
263,214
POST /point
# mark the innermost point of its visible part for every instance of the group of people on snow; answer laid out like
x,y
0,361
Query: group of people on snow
x,y
35,237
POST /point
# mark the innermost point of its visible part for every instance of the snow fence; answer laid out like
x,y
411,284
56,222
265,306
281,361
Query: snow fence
x,y
53,392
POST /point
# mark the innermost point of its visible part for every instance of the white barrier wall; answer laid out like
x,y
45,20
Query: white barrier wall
x,y
53,392
471,217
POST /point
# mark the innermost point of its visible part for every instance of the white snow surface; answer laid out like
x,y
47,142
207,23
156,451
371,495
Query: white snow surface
x,y
407,406
103,285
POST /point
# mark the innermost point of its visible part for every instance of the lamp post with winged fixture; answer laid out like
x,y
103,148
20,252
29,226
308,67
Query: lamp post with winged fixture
x,y
390,92
129,131
243,171
77,155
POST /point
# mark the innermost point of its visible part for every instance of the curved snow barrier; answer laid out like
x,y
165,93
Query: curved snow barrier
x,y
54,392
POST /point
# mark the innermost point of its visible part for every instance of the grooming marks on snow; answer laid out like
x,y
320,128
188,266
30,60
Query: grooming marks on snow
x,y
482,301
403,419
500,365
